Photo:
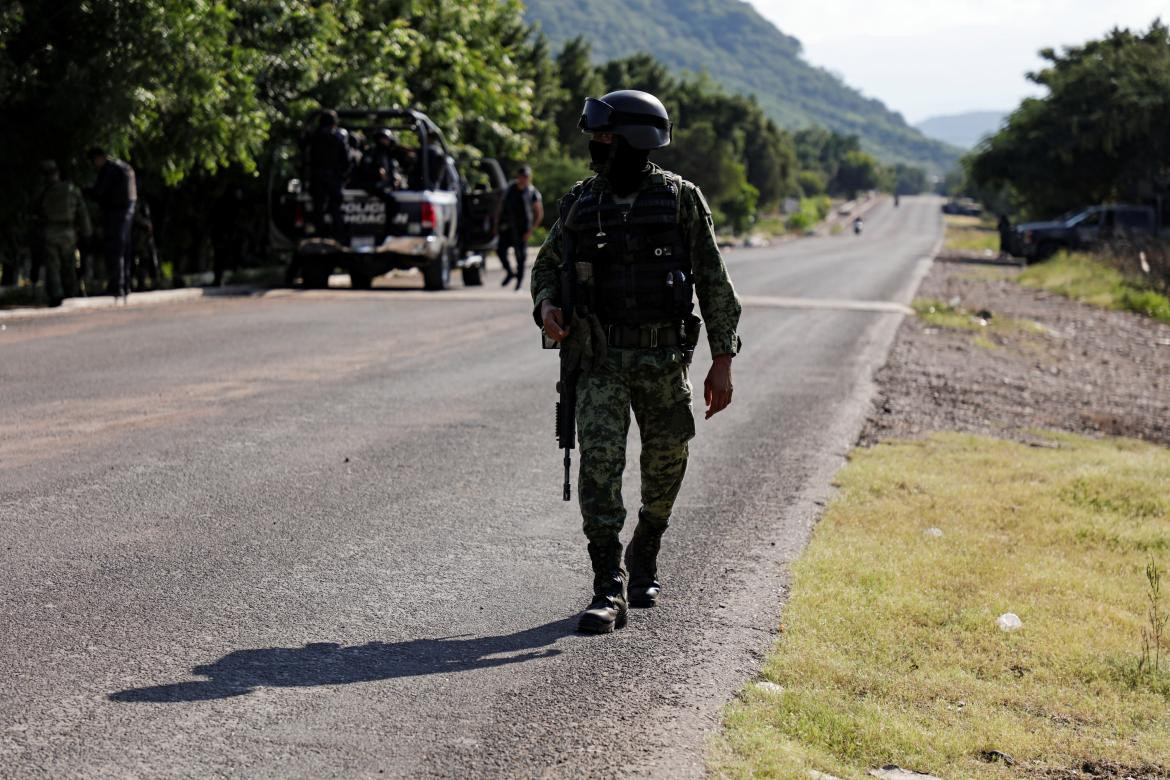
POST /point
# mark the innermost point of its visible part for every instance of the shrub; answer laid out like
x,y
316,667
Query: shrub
x,y
811,183
799,222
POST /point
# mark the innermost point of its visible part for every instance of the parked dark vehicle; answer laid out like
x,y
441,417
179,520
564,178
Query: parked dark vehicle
x,y
429,214
963,207
1082,229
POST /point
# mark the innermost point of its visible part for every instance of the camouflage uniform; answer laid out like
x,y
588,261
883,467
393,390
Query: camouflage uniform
x,y
61,217
652,382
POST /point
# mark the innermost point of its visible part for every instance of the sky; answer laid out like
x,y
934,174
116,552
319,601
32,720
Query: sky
x,y
926,58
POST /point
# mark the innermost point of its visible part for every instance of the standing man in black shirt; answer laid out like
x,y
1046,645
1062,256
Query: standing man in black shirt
x,y
328,167
116,192
521,212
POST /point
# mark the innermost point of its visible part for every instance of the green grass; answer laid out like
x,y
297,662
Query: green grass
x,y
943,315
938,314
972,235
812,212
889,651
1084,278
770,225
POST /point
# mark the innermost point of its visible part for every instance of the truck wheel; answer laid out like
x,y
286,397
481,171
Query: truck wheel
x,y
437,275
359,281
315,276
473,276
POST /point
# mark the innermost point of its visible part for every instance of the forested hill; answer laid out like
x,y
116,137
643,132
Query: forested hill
x,y
744,52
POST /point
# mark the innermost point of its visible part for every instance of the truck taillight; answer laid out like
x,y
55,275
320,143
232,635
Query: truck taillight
x,y
299,216
429,218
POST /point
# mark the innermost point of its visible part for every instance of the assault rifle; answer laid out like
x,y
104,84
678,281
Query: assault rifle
x,y
567,384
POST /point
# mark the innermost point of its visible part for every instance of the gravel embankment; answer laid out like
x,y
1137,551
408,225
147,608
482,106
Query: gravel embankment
x,y
1078,368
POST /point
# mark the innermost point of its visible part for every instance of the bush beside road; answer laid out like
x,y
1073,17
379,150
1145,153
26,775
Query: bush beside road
x,y
890,652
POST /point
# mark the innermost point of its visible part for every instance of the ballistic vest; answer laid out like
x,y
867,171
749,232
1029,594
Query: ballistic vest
x,y
637,264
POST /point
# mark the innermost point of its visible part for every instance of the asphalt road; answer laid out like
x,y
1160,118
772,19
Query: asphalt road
x,y
320,534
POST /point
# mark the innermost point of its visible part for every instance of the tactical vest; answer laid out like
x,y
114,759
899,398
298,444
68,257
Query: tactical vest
x,y
633,266
58,205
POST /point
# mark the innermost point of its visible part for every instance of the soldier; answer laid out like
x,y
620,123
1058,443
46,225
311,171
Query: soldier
x,y
60,218
116,192
226,237
521,212
1004,226
143,248
328,167
380,170
643,242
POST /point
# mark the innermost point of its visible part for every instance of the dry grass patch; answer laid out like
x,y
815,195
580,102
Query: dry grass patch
x,y
971,235
990,330
890,651
1085,278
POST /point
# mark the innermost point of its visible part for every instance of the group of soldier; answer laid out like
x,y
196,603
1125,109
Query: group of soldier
x,y
62,225
380,164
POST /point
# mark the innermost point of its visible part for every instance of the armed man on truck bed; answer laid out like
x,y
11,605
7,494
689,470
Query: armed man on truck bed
x,y
614,284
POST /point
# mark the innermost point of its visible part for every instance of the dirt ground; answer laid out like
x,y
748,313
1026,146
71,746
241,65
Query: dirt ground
x,y
1041,362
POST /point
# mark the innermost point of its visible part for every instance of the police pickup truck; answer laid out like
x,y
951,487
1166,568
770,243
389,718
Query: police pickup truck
x,y
427,214
1081,229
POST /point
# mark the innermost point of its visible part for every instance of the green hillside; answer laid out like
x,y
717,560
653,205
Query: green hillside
x,y
746,53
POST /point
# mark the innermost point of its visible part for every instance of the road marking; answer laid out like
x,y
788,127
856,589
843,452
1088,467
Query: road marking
x,y
761,301
453,296
777,302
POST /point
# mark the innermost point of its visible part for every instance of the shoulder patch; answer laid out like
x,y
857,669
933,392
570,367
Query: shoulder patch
x,y
698,193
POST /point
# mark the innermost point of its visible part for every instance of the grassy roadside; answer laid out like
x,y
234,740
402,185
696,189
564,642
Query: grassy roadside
x,y
812,212
1084,278
890,651
971,235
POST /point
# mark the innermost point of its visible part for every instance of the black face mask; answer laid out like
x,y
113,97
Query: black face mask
x,y
599,155
624,166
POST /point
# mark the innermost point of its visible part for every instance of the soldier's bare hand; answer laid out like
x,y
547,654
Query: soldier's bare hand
x,y
554,322
717,387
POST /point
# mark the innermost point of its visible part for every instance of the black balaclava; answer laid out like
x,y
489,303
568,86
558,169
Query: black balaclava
x,y
621,164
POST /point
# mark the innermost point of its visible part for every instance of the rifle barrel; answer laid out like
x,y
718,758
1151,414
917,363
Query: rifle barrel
x,y
568,467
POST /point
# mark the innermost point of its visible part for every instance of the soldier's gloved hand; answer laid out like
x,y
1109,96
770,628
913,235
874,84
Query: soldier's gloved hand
x,y
554,321
717,387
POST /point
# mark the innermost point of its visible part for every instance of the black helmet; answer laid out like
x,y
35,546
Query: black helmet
x,y
386,134
639,117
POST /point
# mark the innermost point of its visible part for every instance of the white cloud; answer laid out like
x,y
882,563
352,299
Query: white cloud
x,y
944,56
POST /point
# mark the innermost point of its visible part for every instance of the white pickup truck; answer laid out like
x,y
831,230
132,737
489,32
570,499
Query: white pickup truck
x,y
435,220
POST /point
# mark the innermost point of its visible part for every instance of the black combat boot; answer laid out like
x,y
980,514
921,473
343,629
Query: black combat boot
x,y
642,562
607,611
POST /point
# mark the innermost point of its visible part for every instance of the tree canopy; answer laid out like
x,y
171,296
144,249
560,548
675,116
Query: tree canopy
x,y
197,95
1099,134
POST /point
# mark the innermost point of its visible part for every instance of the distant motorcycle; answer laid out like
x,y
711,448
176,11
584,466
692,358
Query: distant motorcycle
x,y
858,224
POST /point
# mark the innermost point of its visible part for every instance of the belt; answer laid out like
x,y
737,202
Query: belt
x,y
642,336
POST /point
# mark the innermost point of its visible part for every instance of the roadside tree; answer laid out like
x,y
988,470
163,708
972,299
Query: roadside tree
x,y
1099,134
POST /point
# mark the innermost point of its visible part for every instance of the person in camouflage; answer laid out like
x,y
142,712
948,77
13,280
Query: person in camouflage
x,y
59,217
643,243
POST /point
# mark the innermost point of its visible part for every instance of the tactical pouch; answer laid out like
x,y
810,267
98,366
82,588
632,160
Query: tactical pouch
x,y
692,327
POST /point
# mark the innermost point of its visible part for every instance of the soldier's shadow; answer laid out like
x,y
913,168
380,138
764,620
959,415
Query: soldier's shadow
x,y
328,663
